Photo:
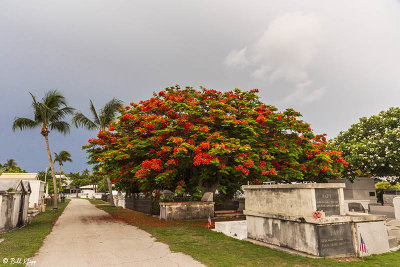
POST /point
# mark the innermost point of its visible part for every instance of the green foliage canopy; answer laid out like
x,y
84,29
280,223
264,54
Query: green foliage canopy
x,y
372,146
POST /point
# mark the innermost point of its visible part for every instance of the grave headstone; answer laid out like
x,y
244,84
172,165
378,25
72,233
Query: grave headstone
x,y
335,240
396,205
327,200
207,197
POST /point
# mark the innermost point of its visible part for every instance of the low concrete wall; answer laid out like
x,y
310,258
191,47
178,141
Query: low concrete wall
x,y
186,210
381,210
389,194
119,199
235,229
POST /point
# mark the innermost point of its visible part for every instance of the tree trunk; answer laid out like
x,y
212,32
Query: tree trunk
x,y
55,198
209,188
111,200
60,179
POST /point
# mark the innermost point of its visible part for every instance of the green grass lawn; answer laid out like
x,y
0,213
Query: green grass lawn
x,y
96,201
216,249
25,242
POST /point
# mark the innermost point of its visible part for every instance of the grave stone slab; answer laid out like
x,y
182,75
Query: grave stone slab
x,y
335,240
328,201
396,205
208,196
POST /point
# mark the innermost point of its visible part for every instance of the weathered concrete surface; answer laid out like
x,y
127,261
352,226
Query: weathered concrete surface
x,y
13,204
299,236
389,195
87,236
208,196
382,210
294,199
235,229
396,205
282,215
186,210
375,236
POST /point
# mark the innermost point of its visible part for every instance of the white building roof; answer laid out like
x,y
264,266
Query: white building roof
x,y
19,176
89,186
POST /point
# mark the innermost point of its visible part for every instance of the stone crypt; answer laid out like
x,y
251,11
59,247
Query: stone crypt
x,y
311,218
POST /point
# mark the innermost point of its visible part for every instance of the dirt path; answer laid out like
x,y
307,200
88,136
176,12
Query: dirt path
x,y
86,236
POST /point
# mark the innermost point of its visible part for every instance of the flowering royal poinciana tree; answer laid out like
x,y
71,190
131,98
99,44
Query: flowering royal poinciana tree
x,y
184,139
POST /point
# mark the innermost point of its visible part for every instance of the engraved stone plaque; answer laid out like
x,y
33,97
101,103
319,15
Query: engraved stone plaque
x,y
335,240
328,201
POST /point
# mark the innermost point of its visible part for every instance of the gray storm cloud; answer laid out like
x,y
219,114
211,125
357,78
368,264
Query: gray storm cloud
x,y
285,51
334,61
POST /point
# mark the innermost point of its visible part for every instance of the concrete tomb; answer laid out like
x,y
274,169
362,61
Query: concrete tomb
x,y
36,185
14,204
235,229
311,218
186,210
360,191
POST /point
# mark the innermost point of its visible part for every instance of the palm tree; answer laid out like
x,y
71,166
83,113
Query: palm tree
x,y
64,156
47,114
99,122
10,164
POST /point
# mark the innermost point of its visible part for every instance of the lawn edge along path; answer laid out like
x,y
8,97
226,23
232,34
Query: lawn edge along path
x,y
23,243
212,248
215,249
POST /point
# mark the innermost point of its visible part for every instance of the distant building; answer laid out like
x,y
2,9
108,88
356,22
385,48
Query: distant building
x,y
37,186
87,191
66,181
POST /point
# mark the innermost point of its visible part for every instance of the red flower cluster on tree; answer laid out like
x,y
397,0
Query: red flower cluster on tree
x,y
182,138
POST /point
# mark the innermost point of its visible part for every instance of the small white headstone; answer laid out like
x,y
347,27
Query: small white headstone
x,y
396,205
208,196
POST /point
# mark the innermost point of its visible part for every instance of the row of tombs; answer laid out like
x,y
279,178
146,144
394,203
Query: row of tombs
x,y
14,204
310,218
21,197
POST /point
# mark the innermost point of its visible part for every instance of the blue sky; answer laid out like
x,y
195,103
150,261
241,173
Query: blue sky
x,y
333,61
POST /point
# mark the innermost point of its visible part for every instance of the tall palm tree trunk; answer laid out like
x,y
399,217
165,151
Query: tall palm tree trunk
x,y
111,200
60,178
55,198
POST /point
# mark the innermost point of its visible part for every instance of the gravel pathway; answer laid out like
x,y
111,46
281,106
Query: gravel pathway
x,y
87,236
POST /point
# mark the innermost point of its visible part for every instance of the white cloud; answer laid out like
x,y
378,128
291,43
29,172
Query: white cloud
x,y
237,58
304,93
285,52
